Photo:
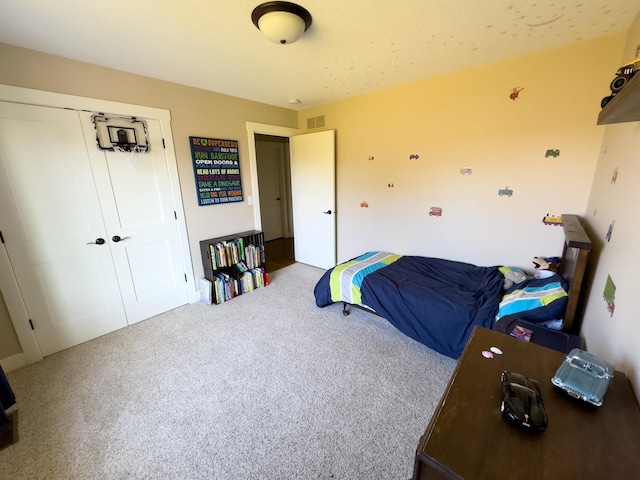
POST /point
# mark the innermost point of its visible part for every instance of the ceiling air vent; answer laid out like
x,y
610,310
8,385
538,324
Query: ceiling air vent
x,y
315,122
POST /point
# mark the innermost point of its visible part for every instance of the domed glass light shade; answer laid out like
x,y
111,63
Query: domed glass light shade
x,y
281,22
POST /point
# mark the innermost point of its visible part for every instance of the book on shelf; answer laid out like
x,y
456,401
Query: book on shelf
x,y
258,277
247,282
228,253
215,256
241,249
254,255
225,287
205,292
218,296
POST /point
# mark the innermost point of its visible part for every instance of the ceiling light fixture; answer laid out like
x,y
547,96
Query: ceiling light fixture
x,y
281,22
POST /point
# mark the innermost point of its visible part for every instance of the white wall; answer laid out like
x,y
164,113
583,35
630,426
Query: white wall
x,y
616,337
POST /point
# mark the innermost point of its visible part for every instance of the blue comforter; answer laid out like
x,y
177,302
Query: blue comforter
x,y
436,302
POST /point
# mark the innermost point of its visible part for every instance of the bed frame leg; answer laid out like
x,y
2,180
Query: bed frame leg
x,y
345,310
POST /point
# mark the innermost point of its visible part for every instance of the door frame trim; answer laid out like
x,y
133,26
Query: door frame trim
x,y
264,129
8,283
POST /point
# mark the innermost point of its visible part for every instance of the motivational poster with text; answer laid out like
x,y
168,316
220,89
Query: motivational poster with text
x,y
216,166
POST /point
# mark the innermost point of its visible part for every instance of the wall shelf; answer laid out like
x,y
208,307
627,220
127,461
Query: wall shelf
x,y
625,106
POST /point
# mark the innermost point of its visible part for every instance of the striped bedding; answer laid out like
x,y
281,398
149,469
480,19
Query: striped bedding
x,y
436,302
346,278
535,300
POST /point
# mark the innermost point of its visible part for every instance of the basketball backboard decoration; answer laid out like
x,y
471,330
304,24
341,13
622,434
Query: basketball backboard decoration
x,y
127,134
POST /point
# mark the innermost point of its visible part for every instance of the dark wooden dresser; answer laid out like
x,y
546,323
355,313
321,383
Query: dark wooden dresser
x,y
468,438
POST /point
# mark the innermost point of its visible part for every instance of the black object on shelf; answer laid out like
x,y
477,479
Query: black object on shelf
x,y
554,339
623,107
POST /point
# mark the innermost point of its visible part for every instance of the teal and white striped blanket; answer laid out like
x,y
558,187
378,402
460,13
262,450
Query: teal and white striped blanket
x,y
346,278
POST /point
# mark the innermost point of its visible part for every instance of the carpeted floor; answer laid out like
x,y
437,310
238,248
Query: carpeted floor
x,y
265,386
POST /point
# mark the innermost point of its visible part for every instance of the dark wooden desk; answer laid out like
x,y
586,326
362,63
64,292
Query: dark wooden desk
x,y
468,438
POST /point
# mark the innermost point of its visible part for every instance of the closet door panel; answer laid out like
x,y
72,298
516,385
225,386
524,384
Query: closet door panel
x,y
136,197
50,219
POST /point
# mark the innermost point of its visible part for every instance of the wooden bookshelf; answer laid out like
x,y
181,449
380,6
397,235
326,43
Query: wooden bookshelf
x,y
234,264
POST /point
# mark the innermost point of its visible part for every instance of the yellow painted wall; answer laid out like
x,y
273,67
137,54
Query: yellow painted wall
x,y
616,198
468,119
193,112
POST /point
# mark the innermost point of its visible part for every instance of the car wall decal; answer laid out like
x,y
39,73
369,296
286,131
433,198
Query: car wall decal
x,y
515,93
506,191
552,153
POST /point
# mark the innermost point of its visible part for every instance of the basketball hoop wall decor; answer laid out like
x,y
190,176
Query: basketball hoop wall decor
x,y
121,134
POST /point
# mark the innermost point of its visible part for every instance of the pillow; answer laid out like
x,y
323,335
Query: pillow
x,y
513,275
535,300
552,324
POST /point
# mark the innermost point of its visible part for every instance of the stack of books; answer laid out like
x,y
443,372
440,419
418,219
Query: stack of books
x,y
228,253
225,287
254,255
236,269
253,278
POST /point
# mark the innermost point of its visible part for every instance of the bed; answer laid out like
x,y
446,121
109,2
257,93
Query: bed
x,y
438,302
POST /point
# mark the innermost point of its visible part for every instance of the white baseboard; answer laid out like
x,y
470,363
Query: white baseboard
x,y
13,363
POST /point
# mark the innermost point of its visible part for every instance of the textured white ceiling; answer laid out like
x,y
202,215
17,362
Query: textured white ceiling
x,y
353,47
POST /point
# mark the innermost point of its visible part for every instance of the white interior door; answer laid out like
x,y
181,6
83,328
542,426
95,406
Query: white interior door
x,y
313,197
139,214
51,222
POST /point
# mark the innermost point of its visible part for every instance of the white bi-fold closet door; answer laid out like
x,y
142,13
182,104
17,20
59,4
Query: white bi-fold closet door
x,y
91,235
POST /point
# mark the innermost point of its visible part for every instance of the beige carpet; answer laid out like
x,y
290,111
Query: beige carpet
x,y
266,386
